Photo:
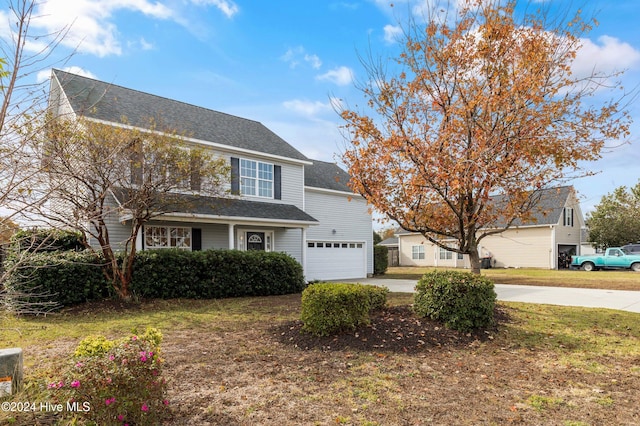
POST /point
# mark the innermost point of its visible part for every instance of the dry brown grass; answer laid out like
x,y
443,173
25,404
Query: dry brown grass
x,y
242,362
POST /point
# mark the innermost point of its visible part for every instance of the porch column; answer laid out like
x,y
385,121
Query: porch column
x,y
139,239
232,238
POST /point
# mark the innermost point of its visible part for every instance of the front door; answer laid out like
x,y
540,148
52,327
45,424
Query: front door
x,y
255,241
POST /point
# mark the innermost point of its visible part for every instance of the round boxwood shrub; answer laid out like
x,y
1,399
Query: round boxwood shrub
x,y
329,308
461,300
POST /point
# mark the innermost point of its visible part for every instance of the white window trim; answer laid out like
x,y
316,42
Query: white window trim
x,y
568,216
167,235
417,252
444,254
257,178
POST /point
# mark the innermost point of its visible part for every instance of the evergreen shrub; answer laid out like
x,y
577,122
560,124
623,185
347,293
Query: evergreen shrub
x,y
461,300
380,260
329,308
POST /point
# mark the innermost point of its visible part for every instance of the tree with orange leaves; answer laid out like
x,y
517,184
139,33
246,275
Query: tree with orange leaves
x,y
482,105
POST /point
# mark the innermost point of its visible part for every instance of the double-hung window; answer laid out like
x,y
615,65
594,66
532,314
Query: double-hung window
x,y
445,254
417,252
157,237
567,216
256,178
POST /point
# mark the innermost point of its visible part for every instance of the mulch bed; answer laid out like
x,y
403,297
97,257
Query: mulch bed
x,y
394,329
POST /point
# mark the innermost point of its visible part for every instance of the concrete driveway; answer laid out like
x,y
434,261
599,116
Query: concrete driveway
x,y
590,298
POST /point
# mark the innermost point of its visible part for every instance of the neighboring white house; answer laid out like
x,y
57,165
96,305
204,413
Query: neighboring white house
x,y
556,230
302,207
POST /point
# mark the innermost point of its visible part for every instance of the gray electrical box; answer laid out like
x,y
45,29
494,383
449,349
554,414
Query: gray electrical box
x,y
10,371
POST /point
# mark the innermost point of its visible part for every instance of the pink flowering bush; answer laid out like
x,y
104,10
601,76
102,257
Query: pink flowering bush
x,y
122,385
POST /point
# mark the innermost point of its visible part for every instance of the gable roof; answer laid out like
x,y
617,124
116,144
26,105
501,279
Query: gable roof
x,y
547,211
111,103
322,174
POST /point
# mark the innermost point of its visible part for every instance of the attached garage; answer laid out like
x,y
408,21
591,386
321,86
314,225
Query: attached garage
x,y
330,260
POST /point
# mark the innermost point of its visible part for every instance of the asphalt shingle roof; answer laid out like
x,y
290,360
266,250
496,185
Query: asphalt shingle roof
x,y
109,102
547,210
230,207
253,209
327,176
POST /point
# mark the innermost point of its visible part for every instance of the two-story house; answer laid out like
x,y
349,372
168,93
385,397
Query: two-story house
x,y
554,231
279,200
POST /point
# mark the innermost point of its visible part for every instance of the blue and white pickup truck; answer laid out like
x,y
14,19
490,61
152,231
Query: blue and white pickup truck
x,y
613,258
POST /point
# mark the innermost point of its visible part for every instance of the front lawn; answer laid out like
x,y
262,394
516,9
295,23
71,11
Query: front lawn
x,y
244,362
613,280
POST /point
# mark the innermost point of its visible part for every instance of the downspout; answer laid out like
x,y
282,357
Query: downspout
x,y
552,250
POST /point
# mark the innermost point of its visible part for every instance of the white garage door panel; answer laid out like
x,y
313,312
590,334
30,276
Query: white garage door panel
x,y
338,261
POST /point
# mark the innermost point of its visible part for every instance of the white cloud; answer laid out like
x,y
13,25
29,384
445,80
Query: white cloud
x,y
606,55
341,76
392,33
307,108
229,8
313,60
46,74
91,23
145,44
296,55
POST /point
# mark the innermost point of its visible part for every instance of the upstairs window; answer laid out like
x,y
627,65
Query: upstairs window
x,y
567,216
164,167
256,178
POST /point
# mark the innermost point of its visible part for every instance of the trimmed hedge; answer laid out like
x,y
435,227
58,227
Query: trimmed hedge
x,y
70,278
211,274
461,300
47,240
66,278
336,307
380,260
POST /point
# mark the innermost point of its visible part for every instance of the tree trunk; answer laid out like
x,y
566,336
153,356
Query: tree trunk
x,y
474,259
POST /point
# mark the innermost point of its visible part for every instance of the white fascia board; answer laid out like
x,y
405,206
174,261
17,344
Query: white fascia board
x,y
333,191
238,220
221,147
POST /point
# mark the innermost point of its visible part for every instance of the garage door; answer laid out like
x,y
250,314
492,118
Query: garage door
x,y
328,260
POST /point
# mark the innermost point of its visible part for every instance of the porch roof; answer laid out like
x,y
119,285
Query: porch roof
x,y
218,208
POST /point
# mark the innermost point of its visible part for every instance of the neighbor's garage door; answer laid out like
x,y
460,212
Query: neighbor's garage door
x,y
333,261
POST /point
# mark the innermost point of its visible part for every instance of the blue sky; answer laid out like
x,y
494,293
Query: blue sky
x,y
281,62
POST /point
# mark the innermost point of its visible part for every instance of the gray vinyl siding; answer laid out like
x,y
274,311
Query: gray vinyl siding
x,y
118,232
289,240
214,235
348,216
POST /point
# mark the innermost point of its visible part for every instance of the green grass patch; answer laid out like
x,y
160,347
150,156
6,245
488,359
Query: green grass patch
x,y
542,403
585,333
614,280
